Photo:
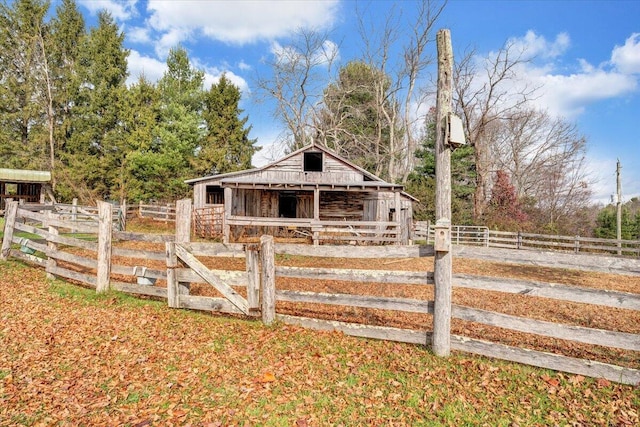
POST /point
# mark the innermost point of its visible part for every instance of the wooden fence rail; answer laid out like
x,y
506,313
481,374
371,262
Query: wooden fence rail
x,y
482,236
84,253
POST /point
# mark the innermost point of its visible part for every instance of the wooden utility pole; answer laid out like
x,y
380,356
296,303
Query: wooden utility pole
x,y
441,342
619,208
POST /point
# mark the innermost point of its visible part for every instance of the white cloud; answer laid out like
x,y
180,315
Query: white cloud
x,y
240,22
533,45
139,65
120,10
626,58
569,94
138,35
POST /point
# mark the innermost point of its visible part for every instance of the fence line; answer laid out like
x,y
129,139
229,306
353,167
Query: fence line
x,y
482,236
59,249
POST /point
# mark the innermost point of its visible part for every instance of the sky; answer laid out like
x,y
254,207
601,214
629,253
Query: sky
x,y
584,56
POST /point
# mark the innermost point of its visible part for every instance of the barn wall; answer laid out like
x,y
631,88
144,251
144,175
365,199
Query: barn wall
x,y
291,170
341,205
199,194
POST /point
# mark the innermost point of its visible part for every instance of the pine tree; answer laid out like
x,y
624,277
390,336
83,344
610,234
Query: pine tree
x,y
96,143
421,182
22,135
227,146
63,49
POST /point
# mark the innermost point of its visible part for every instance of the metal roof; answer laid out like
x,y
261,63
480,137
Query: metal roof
x,y
22,175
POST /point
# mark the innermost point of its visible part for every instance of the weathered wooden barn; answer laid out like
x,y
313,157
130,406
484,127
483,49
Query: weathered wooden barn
x,y
30,186
311,193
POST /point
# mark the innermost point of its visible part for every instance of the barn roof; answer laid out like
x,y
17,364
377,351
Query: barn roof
x,y
23,175
312,146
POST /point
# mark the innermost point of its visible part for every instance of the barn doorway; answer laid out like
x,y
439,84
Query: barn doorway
x,y
287,204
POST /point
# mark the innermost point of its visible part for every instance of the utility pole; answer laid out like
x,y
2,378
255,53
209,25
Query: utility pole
x,y
619,208
441,342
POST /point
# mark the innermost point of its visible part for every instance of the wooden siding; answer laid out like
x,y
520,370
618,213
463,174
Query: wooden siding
x,y
291,169
341,205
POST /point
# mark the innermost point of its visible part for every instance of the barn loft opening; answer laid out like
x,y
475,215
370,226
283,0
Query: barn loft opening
x,y
313,161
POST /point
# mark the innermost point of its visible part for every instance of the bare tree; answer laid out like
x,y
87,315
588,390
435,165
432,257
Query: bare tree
x,y
398,102
300,71
486,91
545,157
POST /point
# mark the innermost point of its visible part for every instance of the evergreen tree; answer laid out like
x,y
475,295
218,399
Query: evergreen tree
x,y
22,135
227,146
96,146
421,182
181,127
63,50
355,122
139,179
606,224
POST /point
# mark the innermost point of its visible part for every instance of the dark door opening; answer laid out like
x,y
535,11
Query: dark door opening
x,y
287,205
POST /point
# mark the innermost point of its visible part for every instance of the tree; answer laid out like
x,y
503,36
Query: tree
x,y
486,91
22,103
67,31
398,101
545,158
606,223
95,147
299,72
351,123
181,127
504,211
226,146
421,183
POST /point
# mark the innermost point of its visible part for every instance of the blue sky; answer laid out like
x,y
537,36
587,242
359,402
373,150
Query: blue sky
x,y
586,55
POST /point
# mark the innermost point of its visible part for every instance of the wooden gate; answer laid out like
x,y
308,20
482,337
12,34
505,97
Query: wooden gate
x,y
231,300
208,222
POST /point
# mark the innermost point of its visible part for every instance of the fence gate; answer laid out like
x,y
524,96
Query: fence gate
x,y
247,305
208,222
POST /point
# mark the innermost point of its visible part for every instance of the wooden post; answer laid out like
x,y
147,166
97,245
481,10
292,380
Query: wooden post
x,y
105,220
140,209
183,220
123,213
52,247
442,263
173,292
228,201
397,218
267,255
183,235
619,208
253,276
316,215
74,209
11,210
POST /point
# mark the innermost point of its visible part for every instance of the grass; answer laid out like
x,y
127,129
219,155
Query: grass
x,y
113,359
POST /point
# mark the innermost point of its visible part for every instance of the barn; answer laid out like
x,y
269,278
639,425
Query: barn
x,y
28,186
312,193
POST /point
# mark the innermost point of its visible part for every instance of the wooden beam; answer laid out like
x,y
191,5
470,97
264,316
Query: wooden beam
x,y
222,287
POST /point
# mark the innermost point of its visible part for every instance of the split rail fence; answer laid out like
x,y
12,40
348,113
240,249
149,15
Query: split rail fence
x,y
482,236
86,254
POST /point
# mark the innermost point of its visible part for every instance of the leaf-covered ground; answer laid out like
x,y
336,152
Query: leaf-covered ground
x,y
70,357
